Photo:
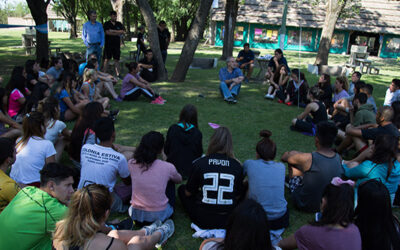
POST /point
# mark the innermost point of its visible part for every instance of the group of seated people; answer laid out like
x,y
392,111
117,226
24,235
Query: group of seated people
x,y
40,209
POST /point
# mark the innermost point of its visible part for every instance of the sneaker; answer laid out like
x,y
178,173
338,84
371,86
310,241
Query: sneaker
x,y
280,101
289,103
161,99
150,229
167,230
234,101
157,101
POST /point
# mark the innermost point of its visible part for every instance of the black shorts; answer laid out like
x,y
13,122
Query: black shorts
x,y
112,52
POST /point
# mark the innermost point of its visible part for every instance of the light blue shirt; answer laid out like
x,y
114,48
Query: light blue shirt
x,y
92,33
224,74
54,72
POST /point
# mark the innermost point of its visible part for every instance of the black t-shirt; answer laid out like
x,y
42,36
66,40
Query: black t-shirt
x,y
372,133
163,36
112,40
140,39
29,78
216,182
149,75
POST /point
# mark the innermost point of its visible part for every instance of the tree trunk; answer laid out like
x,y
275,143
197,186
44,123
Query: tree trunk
x,y
73,31
181,29
333,10
38,11
213,26
173,32
118,6
192,40
231,11
127,20
151,24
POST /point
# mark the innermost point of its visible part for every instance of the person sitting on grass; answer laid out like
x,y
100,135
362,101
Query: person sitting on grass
x,y
392,93
231,78
266,180
8,187
314,113
379,227
148,66
361,113
245,60
133,86
278,81
32,69
341,87
14,129
101,164
296,91
33,151
247,228
355,78
150,177
382,165
56,68
216,184
183,144
83,227
17,96
309,173
88,88
368,89
333,228
56,130
361,134
324,83
71,101
30,218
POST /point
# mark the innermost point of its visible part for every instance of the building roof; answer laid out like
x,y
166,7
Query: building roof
x,y
376,16
51,14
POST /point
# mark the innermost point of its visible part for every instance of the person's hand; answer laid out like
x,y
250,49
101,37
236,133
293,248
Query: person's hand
x,y
275,59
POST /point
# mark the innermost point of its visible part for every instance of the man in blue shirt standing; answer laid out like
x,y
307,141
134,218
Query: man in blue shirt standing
x,y
231,78
93,36
245,59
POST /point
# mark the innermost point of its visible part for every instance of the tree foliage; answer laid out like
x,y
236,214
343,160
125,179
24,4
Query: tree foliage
x,y
102,8
69,10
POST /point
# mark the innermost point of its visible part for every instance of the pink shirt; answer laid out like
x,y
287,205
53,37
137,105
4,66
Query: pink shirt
x,y
148,187
13,105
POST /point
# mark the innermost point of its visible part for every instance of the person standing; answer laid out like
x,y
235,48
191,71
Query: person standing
x,y
141,47
164,38
93,36
112,48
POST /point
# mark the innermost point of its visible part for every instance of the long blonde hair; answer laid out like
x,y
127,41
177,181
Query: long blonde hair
x,y
87,74
86,213
221,142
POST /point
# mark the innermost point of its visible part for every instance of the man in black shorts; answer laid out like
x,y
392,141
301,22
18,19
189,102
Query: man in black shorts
x,y
113,30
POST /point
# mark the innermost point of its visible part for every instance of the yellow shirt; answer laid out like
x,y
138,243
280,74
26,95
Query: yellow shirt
x,y
8,189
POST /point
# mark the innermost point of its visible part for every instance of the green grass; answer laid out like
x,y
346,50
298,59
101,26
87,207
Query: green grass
x,y
245,120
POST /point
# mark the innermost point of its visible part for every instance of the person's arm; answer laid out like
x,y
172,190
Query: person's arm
x,y
288,243
353,131
146,66
84,36
301,161
21,100
310,107
283,80
357,172
71,106
139,84
10,122
51,159
85,90
175,176
240,56
101,36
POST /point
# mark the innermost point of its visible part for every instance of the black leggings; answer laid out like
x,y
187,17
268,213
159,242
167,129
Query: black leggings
x,y
134,94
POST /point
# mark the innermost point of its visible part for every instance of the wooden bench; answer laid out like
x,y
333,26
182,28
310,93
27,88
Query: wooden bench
x,y
29,50
352,66
58,50
373,70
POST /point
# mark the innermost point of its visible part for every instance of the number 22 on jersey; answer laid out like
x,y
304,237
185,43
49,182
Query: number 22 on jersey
x,y
215,177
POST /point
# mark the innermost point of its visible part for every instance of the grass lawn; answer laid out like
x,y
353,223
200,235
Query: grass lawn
x,y
245,119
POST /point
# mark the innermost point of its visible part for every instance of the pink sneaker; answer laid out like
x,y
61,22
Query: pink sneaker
x,y
161,99
157,101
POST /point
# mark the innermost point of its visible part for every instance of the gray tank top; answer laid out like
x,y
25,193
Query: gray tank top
x,y
308,196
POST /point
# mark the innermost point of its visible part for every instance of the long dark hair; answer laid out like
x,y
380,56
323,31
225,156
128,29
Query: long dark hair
x,y
66,80
150,146
247,228
266,148
29,68
374,217
339,207
302,76
188,115
385,151
326,82
277,73
90,114
17,81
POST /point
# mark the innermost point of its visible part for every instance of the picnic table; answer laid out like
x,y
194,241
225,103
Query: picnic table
x,y
263,63
364,63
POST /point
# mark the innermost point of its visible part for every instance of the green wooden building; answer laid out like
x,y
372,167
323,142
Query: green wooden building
x,y
258,22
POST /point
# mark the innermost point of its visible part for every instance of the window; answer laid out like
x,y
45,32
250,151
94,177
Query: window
x,y
362,40
337,41
392,45
265,35
294,38
239,33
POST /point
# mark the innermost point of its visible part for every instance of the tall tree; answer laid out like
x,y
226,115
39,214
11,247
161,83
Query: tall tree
x,y
118,6
38,11
151,24
334,9
102,9
231,11
195,33
69,10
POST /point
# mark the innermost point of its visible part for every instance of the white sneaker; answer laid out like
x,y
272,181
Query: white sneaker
x,y
167,229
150,229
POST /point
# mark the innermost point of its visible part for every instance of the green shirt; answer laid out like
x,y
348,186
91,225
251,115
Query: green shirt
x,y
364,115
29,220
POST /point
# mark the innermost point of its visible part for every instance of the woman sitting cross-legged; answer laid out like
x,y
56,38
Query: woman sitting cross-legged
x,y
149,180
333,228
296,91
133,86
316,108
84,225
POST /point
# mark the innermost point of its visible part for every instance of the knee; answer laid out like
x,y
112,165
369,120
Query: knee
x,y
222,84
